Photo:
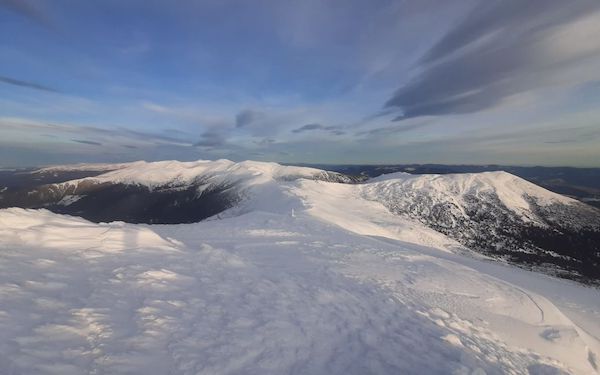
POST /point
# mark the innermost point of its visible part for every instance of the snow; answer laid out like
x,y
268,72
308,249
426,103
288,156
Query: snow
x,y
303,276
265,292
390,176
251,178
330,203
69,199
510,189
98,167
254,178
177,173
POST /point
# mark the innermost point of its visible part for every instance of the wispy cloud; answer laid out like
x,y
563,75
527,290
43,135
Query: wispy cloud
x,y
336,130
402,128
93,143
79,133
247,117
503,47
30,85
211,139
269,122
29,142
265,142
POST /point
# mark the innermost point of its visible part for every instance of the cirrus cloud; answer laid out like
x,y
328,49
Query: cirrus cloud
x,y
503,48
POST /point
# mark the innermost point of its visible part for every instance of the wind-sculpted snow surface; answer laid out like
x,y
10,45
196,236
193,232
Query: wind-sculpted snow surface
x,y
500,215
268,293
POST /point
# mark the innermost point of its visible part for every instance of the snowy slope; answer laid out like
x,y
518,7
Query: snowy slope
x,y
268,293
343,205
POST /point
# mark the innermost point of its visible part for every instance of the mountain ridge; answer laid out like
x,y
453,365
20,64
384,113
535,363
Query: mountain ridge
x,y
493,213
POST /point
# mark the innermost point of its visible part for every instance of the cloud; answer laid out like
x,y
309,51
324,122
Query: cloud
x,y
147,136
503,48
248,117
265,142
308,127
157,108
268,123
336,130
31,85
93,143
387,130
27,142
27,128
211,139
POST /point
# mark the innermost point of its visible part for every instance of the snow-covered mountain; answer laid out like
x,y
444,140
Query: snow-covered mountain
x,y
492,213
159,192
296,270
500,215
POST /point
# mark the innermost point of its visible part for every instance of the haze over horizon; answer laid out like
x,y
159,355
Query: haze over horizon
x,y
337,82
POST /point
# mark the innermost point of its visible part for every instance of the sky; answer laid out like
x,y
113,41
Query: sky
x,y
338,81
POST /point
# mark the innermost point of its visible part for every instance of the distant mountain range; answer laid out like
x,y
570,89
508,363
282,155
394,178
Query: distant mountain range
x,y
579,183
496,214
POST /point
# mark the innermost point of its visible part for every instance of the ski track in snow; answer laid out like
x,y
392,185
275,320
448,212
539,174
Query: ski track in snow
x,y
266,293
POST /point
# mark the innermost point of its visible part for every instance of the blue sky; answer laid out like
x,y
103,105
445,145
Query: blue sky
x,y
462,81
